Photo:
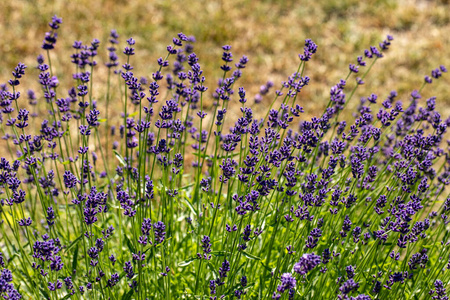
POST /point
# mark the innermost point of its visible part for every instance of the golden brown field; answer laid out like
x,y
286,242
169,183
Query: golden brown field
x,y
270,33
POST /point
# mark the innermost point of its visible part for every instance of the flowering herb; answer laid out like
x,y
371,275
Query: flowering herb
x,y
176,198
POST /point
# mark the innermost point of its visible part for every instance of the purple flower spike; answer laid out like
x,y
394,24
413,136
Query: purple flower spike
x,y
307,263
51,37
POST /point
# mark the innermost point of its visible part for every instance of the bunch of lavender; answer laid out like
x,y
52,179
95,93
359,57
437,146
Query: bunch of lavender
x,y
166,199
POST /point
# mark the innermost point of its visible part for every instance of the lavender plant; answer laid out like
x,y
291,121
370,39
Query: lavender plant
x,y
166,200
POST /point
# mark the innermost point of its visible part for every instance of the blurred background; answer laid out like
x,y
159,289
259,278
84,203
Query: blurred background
x,y
270,33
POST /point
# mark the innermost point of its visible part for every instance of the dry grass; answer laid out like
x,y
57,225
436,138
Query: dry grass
x,y
270,33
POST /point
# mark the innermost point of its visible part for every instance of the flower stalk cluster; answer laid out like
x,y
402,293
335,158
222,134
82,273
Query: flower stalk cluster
x,y
181,190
